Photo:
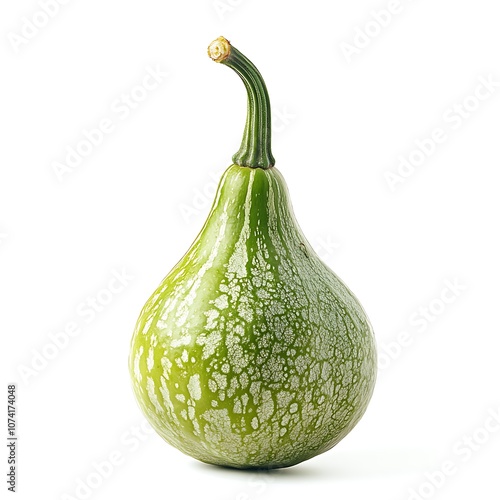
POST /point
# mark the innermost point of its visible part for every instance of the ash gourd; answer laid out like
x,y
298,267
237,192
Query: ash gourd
x,y
252,353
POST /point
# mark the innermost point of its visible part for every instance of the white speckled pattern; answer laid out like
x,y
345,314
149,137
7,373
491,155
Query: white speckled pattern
x,y
252,353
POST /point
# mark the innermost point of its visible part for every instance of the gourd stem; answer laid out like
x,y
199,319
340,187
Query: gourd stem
x,y
255,149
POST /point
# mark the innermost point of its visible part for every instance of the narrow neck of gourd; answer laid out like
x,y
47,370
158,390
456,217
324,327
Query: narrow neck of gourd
x,y
255,149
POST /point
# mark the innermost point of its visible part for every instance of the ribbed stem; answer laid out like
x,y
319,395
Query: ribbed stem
x,y
255,149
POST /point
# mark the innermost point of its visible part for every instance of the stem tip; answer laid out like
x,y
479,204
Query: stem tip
x,y
219,49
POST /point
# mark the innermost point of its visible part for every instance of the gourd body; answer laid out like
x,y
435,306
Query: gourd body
x,y
252,353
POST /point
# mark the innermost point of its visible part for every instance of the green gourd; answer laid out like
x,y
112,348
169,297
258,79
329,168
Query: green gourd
x,y
252,353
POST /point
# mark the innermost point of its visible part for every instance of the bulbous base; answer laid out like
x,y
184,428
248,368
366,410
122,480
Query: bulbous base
x,y
252,353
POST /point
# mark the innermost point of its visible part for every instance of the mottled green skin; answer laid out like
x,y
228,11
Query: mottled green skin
x,y
252,353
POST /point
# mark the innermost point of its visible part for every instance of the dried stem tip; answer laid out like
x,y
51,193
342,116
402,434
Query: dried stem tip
x,y
219,49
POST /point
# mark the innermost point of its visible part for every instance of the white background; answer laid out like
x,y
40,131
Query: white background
x,y
133,205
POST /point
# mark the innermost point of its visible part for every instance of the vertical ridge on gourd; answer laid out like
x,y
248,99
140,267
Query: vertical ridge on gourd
x,y
252,353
